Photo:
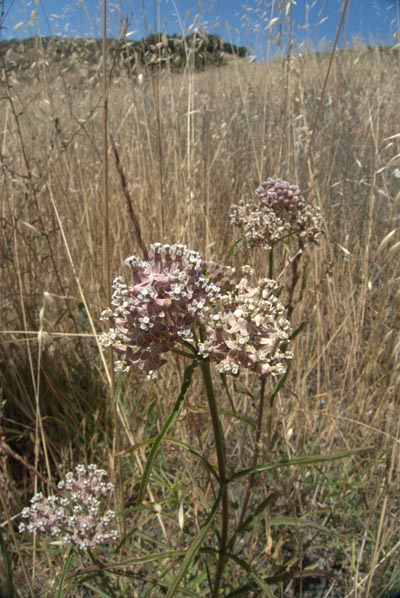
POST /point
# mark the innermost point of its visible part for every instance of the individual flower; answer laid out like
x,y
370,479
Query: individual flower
x,y
279,212
158,307
248,331
76,514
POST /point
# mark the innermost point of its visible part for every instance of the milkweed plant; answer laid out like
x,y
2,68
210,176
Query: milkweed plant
x,y
223,322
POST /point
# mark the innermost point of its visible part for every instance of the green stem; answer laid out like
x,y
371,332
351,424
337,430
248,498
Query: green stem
x,y
271,263
221,460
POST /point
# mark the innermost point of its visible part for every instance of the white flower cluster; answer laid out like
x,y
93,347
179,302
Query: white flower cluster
x,y
76,515
158,308
248,331
278,213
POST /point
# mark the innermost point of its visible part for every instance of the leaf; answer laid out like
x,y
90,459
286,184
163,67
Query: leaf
x,y
194,548
167,425
294,522
256,578
310,460
206,464
233,247
64,572
298,330
198,456
248,521
97,591
148,558
280,383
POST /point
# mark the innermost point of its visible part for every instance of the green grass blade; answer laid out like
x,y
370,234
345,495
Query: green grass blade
x,y
167,425
194,549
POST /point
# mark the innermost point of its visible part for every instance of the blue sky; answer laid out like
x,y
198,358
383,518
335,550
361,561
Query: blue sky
x,y
245,22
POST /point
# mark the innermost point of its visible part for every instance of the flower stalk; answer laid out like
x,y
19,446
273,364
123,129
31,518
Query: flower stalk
x,y
221,461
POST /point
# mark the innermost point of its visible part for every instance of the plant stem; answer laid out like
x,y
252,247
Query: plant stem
x,y
271,263
221,460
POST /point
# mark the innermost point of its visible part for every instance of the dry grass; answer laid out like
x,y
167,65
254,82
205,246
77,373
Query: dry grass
x,y
190,145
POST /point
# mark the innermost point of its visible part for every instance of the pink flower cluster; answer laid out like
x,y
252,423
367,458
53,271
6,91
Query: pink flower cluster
x,y
157,309
76,514
279,212
249,331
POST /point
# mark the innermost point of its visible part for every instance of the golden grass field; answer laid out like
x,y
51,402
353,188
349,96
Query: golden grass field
x,y
190,145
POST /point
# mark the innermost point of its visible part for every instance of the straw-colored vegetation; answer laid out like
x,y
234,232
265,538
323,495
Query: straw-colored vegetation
x,y
183,147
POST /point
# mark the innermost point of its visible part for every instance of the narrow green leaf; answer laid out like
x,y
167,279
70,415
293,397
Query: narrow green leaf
x,y
292,521
247,522
194,548
167,425
297,331
280,383
188,448
239,417
253,576
222,377
97,591
171,440
149,558
232,248
64,572
242,591
310,460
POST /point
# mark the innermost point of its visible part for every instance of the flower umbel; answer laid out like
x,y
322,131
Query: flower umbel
x,y
248,331
77,513
280,211
158,308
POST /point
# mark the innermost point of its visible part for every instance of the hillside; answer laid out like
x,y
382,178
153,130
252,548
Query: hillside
x,y
156,51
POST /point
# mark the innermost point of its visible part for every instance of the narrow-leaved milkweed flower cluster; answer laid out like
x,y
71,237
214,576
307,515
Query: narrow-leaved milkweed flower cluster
x,y
76,515
159,307
249,331
279,212
177,298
